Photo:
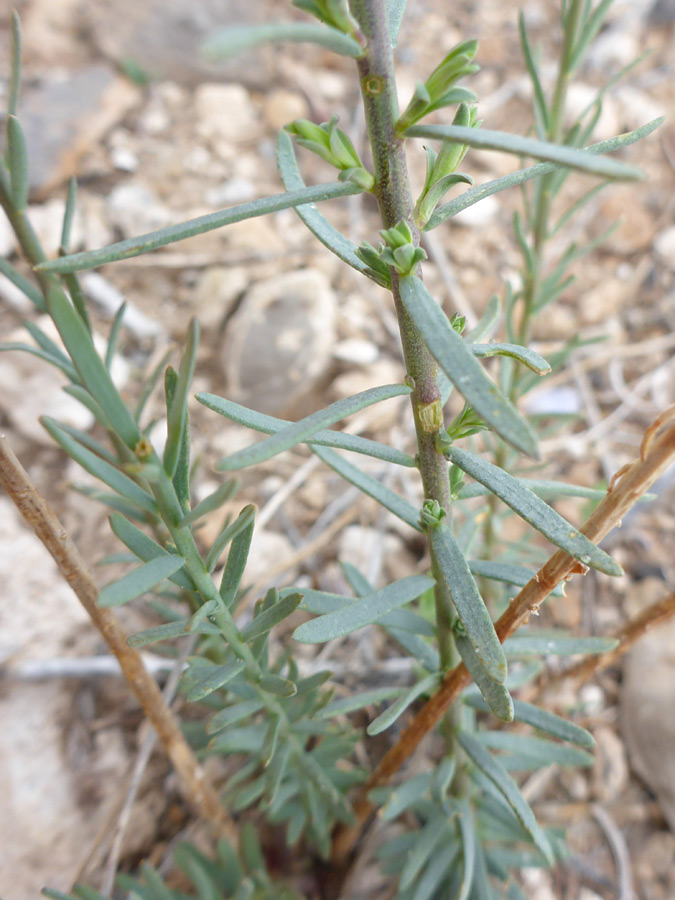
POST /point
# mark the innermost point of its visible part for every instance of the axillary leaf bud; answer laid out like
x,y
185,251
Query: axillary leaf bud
x,y
430,416
432,514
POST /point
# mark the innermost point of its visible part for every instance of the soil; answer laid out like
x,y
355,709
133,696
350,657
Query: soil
x,y
182,138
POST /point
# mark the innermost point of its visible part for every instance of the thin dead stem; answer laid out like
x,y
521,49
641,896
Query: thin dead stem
x,y
608,514
42,520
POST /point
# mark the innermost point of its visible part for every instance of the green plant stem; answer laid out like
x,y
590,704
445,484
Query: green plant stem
x,y
392,190
544,196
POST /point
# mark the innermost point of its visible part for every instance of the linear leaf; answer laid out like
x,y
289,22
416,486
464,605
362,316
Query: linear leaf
x,y
17,279
17,162
363,611
541,488
435,873
300,431
92,371
476,194
271,617
496,695
217,678
540,105
99,468
506,572
317,223
177,412
390,715
507,787
428,840
534,510
467,830
233,714
281,687
214,501
236,39
14,85
371,486
144,243
144,547
243,524
453,570
539,749
66,368
324,438
358,701
524,355
454,356
404,795
552,644
483,139
159,633
395,13
140,581
543,720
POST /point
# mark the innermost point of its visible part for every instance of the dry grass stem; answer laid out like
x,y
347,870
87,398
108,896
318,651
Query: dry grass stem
x,y
42,520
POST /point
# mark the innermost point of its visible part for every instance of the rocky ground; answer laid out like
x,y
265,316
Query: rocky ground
x,y
199,137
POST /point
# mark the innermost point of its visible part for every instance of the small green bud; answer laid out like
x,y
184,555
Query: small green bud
x,y
333,146
432,514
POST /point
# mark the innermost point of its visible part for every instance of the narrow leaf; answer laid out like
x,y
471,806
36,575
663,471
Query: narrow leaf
x,y
299,432
114,335
543,720
140,581
496,695
539,749
15,66
217,678
270,617
177,413
476,194
390,715
281,687
159,633
358,701
556,645
457,361
317,223
144,547
467,830
68,215
99,468
324,438
404,795
94,375
236,39
453,571
523,354
17,162
540,106
506,572
240,532
534,510
507,787
233,714
483,139
436,873
210,504
551,489
67,369
33,294
370,486
428,840
363,611
153,240
395,13
487,322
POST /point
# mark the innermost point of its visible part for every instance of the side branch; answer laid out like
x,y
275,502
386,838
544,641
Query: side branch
x,y
634,481
42,520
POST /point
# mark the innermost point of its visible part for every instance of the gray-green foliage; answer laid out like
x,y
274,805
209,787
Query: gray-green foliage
x,y
472,824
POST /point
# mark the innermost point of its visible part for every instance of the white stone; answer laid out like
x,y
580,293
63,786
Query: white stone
x,y
579,97
217,291
664,244
225,113
354,350
478,215
7,239
124,159
134,209
282,106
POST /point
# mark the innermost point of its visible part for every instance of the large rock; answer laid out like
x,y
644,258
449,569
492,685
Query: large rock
x,y
647,720
278,344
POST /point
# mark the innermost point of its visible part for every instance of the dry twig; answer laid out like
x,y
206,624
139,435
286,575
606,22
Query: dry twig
x,y
197,790
609,513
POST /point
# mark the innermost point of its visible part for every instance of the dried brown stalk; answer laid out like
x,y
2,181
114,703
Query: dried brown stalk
x,y
656,457
196,789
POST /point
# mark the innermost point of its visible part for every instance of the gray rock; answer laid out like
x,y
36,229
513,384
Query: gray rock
x,y
164,37
647,720
278,343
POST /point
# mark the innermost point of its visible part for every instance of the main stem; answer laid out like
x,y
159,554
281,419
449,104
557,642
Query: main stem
x,y
392,190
